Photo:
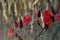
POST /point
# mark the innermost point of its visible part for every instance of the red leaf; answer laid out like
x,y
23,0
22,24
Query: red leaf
x,y
46,13
21,24
53,19
34,7
26,19
57,16
39,13
53,10
10,32
47,19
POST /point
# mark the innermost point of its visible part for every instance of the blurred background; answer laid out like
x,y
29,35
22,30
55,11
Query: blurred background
x,y
11,10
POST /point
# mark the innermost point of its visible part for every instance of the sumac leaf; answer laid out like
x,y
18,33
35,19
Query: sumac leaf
x,y
39,13
53,19
57,16
46,13
47,20
34,7
53,10
46,26
21,24
26,19
10,32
